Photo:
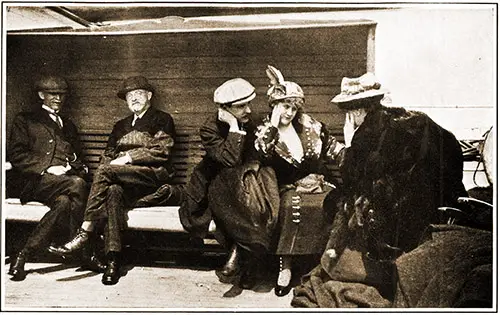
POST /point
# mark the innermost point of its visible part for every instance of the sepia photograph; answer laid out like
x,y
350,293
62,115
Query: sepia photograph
x,y
249,156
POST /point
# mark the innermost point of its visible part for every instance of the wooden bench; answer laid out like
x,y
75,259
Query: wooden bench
x,y
187,153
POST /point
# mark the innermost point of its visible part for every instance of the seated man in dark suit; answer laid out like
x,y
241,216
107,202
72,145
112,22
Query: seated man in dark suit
x,y
135,163
44,151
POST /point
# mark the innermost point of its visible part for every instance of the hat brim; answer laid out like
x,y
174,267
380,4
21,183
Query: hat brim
x,y
343,98
244,100
122,93
60,91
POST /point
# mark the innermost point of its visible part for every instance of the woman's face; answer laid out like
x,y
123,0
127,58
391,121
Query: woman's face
x,y
289,108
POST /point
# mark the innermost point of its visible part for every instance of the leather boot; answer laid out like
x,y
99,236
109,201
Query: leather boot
x,y
283,286
112,273
250,266
232,264
16,269
158,198
78,242
90,260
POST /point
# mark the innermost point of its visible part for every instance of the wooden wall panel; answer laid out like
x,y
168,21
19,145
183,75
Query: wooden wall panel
x,y
186,68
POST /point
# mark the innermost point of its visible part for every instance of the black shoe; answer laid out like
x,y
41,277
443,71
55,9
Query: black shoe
x,y
282,291
112,272
232,265
94,264
285,276
158,198
78,242
247,280
16,269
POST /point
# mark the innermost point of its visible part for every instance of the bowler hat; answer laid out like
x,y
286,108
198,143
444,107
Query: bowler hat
x,y
51,84
134,83
354,90
234,92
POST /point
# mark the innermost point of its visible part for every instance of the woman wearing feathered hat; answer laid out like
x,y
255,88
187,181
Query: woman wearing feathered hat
x,y
297,146
398,168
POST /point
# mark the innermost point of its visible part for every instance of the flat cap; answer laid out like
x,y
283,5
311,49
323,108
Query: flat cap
x,y
52,84
234,92
134,83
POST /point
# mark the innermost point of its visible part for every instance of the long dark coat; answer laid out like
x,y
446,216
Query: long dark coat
x,y
223,149
402,166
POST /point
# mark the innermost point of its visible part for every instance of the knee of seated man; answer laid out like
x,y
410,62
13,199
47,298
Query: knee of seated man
x,y
115,189
104,169
62,203
78,183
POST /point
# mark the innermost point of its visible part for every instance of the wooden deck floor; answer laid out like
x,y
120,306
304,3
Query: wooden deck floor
x,y
166,285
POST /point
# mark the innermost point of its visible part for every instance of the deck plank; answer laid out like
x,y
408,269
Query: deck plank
x,y
53,285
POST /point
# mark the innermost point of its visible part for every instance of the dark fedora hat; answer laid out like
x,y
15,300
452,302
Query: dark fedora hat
x,y
134,83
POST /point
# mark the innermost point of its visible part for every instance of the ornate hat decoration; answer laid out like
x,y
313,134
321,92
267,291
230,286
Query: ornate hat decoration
x,y
281,89
234,92
353,89
134,83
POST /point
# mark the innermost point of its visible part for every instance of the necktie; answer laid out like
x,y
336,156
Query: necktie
x,y
136,118
57,119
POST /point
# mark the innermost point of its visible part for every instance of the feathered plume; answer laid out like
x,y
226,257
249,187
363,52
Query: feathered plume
x,y
277,81
274,75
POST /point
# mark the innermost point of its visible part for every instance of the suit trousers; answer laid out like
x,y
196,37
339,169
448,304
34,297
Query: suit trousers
x,y
114,190
65,196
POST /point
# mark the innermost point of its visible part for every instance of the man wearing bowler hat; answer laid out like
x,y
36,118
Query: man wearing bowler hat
x,y
45,155
135,163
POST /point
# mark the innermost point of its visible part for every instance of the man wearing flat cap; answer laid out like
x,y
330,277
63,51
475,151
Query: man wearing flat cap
x,y
44,151
227,136
135,163
398,167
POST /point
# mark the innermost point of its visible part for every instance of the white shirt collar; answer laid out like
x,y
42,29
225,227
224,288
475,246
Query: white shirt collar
x,y
141,114
138,116
50,110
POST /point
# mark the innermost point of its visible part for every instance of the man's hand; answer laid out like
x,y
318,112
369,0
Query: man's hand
x,y
228,118
349,128
58,169
122,160
276,115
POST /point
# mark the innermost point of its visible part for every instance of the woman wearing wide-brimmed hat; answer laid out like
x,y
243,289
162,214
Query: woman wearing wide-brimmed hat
x,y
298,147
398,167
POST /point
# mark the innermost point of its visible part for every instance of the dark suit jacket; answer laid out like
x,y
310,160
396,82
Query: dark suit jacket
x,y
223,149
31,147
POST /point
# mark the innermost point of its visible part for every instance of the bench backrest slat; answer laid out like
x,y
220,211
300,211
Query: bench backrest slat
x,y
186,154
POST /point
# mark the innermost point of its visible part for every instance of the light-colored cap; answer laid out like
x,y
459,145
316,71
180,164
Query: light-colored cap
x,y
234,92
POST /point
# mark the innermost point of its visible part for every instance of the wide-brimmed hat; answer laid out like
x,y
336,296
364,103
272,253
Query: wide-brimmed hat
x,y
234,92
355,89
134,83
281,89
52,84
